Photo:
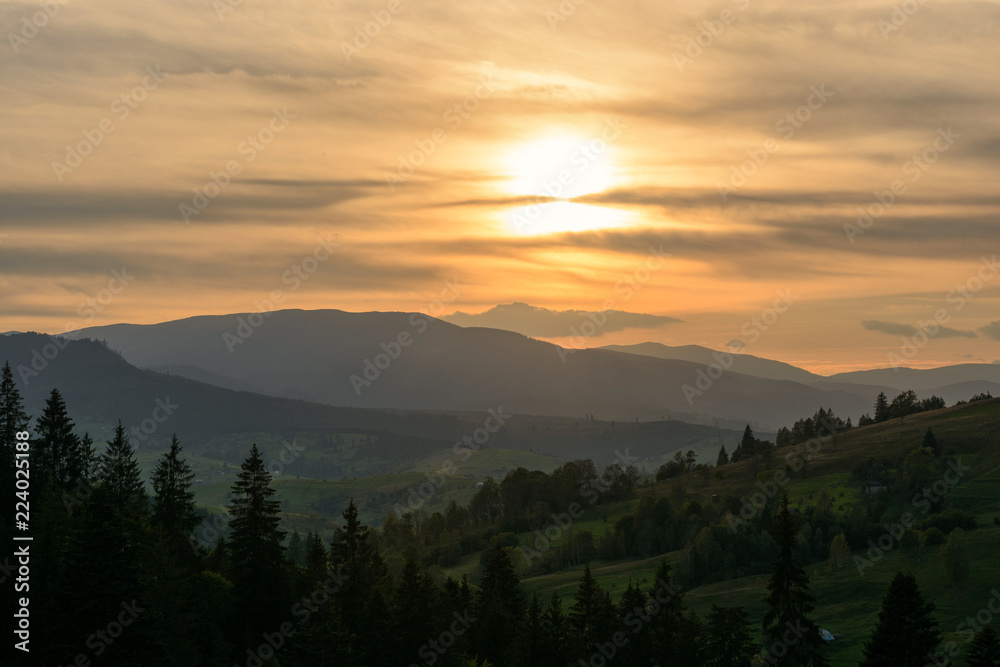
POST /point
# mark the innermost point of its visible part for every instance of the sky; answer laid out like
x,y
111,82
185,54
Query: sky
x,y
810,182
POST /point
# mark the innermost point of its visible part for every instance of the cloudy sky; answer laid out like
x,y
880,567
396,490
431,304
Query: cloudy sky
x,y
692,165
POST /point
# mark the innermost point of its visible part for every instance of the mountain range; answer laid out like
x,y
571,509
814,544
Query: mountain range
x,y
411,361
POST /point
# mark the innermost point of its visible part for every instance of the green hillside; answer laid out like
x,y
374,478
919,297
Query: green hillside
x,y
848,599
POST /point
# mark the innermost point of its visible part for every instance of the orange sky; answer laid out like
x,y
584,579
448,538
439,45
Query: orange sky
x,y
532,156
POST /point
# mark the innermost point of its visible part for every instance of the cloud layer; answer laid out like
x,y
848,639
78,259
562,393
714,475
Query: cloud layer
x,y
806,147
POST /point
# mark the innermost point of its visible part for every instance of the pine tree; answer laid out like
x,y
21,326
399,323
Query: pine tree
x,y
173,502
89,461
499,609
362,607
533,642
881,408
413,612
255,549
557,629
789,603
58,458
723,457
584,615
671,634
930,442
906,633
729,642
747,446
984,650
296,551
633,620
120,475
316,560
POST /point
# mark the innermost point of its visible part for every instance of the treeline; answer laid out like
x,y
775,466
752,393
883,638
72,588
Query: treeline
x,y
116,579
906,403
524,501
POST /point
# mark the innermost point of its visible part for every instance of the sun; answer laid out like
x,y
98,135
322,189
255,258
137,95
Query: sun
x,y
561,166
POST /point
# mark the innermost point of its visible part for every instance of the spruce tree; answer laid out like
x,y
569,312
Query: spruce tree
x,y
499,610
296,551
58,458
121,477
667,623
930,442
881,408
534,641
256,554
789,604
723,457
173,500
362,602
633,621
413,611
557,629
585,615
729,642
89,461
316,561
906,634
984,650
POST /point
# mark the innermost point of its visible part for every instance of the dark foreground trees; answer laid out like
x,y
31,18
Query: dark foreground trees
x,y
906,634
255,551
984,650
791,638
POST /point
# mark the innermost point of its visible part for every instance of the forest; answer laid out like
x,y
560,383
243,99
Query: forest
x,y
116,577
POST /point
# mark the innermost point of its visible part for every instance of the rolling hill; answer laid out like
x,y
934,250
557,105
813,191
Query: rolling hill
x,y
415,362
100,387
